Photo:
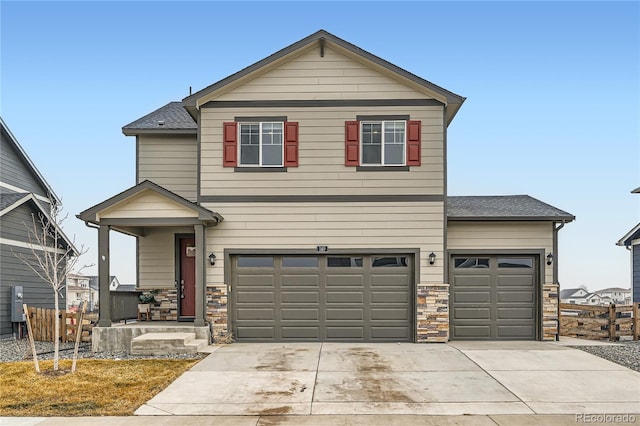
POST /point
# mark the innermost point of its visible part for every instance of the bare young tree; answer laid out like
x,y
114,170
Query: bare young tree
x,y
52,256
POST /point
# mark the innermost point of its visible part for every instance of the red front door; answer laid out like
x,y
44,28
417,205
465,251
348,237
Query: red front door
x,y
187,287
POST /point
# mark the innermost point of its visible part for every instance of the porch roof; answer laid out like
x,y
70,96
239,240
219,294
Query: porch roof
x,y
147,204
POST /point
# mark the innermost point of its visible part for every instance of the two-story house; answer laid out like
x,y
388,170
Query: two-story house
x,y
574,295
304,198
24,195
617,295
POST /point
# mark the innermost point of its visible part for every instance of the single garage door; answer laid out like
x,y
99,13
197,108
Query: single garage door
x,y
493,298
354,298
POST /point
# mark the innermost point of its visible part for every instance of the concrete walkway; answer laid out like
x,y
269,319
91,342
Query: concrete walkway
x,y
463,378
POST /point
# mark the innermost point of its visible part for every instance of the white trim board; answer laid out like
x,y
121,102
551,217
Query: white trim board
x,y
16,189
24,244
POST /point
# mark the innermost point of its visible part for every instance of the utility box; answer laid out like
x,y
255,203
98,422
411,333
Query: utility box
x,y
17,296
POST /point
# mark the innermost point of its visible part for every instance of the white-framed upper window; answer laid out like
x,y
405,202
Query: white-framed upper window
x,y
261,144
383,143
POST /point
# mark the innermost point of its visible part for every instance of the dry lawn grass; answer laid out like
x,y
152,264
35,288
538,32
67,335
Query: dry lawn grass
x,y
97,388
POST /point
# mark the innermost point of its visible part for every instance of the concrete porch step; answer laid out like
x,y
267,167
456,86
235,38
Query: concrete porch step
x,y
167,343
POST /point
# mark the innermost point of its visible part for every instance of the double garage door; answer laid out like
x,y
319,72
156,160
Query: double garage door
x,y
366,298
494,297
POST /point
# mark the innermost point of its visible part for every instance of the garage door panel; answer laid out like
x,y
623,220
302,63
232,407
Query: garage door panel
x,y
345,314
255,297
462,296
515,296
390,314
345,280
388,297
391,334
300,297
300,314
515,313
300,281
259,280
473,281
335,297
391,280
516,331
303,333
255,332
472,313
472,331
255,314
515,281
344,333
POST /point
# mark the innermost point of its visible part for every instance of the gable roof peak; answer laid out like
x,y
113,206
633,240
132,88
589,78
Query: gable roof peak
x,y
14,141
452,100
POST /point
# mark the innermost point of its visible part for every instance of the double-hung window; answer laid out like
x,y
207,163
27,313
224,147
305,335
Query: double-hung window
x,y
383,143
261,144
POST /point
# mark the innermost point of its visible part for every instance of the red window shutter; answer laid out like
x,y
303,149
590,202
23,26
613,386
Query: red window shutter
x,y
290,144
413,143
351,143
230,144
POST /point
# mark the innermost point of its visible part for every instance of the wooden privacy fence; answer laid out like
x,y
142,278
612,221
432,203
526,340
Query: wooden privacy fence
x,y
43,325
599,322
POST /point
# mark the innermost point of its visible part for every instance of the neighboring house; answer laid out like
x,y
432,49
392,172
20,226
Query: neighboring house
x,y
596,299
78,291
632,242
328,165
113,282
23,192
617,295
574,295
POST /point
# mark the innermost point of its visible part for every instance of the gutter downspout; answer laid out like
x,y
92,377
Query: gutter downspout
x,y
555,268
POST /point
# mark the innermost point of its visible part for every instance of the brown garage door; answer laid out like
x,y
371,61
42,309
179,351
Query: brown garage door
x,y
355,298
493,298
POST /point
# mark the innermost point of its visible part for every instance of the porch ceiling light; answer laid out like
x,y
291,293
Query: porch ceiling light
x,y
549,259
212,259
432,258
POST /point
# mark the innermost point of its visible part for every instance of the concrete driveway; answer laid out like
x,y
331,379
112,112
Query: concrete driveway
x,y
490,378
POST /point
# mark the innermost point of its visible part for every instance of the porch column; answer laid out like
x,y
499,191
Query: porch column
x,y
200,274
103,277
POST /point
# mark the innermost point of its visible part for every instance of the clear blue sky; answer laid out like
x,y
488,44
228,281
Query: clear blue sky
x,y
552,93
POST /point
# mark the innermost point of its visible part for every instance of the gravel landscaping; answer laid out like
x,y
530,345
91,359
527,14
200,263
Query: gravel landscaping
x,y
625,353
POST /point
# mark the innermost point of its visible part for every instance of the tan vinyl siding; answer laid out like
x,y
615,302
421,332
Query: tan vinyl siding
x,y
336,225
502,235
156,265
311,76
171,162
321,155
147,204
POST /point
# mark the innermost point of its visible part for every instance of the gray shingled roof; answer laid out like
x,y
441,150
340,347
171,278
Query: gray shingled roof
x,y
503,207
568,292
171,117
8,198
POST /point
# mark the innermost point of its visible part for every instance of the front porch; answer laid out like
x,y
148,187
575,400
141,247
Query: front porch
x,y
118,337
171,261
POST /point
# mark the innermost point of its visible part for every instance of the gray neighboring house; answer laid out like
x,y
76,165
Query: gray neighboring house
x,y
23,192
632,242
